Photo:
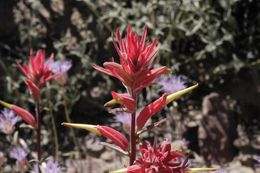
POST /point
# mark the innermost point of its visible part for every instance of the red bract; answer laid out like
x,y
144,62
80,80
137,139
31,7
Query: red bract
x,y
135,69
24,114
125,99
161,160
118,138
150,110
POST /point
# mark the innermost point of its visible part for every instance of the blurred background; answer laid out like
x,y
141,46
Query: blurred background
x,y
214,43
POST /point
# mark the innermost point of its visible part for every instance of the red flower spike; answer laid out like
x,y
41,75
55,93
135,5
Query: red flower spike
x,y
118,138
24,114
159,160
150,110
125,99
136,56
38,70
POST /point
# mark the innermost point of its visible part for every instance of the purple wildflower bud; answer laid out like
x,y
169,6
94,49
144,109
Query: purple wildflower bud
x,y
50,167
171,84
61,67
125,119
8,119
20,155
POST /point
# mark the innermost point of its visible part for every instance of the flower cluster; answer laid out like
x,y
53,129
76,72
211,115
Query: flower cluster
x,y
171,84
158,160
37,72
50,166
20,155
136,68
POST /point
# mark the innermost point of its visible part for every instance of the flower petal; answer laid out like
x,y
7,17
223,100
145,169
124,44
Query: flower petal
x,y
103,70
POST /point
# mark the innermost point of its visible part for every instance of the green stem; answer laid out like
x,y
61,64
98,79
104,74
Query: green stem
x,y
56,141
68,119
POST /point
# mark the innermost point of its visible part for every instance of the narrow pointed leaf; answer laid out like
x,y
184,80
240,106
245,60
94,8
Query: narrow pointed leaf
x,y
118,138
88,127
124,170
7,105
194,170
111,103
178,94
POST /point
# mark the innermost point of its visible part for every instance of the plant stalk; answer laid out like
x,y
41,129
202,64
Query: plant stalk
x,y
68,119
38,134
132,131
56,141
132,140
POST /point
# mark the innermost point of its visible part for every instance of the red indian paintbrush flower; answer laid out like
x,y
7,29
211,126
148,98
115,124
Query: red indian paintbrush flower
x,y
37,72
161,160
136,68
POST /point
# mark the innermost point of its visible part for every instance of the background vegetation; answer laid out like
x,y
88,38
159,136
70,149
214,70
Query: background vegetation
x,y
215,43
